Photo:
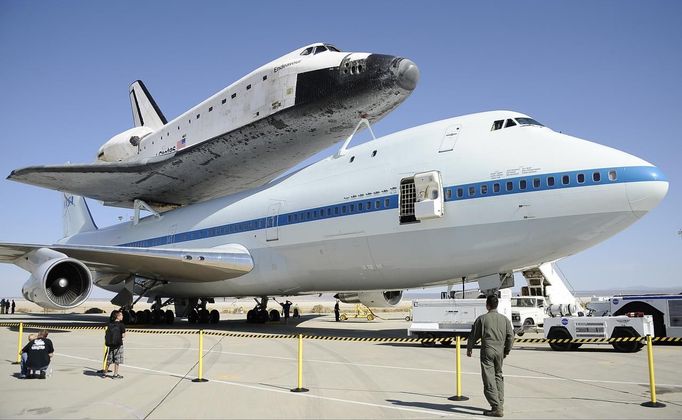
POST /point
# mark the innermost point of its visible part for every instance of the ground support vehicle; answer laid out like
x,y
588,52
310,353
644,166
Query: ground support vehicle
x,y
448,318
528,313
626,328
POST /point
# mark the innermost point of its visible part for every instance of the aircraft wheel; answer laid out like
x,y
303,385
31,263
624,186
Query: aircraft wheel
x,y
158,317
274,315
170,316
140,317
204,316
215,316
249,316
262,316
193,316
128,318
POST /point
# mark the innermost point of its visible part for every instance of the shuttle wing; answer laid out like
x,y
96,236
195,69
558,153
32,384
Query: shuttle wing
x,y
172,265
213,168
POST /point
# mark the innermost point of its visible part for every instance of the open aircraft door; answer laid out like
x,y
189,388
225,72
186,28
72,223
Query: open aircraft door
x,y
271,222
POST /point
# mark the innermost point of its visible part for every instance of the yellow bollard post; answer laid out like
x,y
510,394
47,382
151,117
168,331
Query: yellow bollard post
x,y
459,396
652,380
19,343
201,359
300,366
105,368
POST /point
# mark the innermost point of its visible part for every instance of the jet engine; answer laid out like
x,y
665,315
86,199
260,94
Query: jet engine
x,y
375,299
123,146
59,283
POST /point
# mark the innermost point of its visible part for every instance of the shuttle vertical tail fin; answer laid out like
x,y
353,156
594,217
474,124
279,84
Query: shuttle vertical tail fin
x,y
77,217
145,111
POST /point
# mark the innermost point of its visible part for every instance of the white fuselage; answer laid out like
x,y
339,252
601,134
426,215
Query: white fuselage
x,y
312,231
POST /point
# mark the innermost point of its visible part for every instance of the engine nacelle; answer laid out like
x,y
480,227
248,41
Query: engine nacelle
x,y
376,299
123,146
59,283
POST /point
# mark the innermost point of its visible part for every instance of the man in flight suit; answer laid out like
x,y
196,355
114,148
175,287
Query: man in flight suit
x,y
497,336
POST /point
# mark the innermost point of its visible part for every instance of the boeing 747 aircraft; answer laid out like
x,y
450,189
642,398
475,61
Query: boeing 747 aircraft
x,y
240,138
471,198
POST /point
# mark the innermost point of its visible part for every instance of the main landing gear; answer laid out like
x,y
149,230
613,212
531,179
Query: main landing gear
x,y
155,315
200,315
259,314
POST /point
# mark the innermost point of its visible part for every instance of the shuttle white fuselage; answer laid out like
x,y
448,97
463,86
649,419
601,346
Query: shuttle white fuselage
x,y
240,138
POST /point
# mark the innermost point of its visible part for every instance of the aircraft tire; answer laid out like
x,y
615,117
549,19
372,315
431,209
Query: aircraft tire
x,y
274,315
169,317
204,316
262,317
214,316
249,316
193,316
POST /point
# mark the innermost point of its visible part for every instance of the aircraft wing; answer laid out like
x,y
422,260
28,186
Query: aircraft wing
x,y
169,264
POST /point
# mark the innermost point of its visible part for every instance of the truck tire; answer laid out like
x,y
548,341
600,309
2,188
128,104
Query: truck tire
x,y
560,334
626,346
427,336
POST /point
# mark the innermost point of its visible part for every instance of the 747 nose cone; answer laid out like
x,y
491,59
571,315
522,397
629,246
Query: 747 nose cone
x,y
649,191
408,74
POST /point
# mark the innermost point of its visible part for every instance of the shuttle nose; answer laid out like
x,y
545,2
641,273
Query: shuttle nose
x,y
649,188
407,74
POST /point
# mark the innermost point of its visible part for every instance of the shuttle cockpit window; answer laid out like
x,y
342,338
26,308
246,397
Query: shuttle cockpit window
x,y
332,48
307,51
320,48
528,121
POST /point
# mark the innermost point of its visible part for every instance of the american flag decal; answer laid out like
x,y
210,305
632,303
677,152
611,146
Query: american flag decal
x,y
180,144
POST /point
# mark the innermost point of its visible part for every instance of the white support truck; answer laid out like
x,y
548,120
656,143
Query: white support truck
x,y
666,310
528,313
447,318
572,327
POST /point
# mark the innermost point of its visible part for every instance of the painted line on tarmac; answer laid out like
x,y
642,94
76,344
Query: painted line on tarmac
x,y
506,375
313,396
293,359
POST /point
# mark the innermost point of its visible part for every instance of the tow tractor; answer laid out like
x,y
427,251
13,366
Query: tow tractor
x,y
623,326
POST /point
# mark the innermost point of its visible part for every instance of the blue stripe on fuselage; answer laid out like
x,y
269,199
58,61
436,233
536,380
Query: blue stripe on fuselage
x,y
381,203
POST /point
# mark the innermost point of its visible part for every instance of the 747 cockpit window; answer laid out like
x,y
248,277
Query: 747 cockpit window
x,y
528,121
510,122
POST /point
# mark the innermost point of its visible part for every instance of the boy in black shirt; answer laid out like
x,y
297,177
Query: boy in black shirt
x,y
39,354
113,338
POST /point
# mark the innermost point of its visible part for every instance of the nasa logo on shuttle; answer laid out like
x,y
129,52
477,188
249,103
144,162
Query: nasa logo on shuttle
x,y
564,321
283,66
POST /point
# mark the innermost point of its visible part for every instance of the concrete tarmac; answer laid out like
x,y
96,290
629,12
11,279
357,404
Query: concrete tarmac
x,y
252,378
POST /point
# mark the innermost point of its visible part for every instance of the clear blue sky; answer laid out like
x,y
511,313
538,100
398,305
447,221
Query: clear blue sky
x,y
608,71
